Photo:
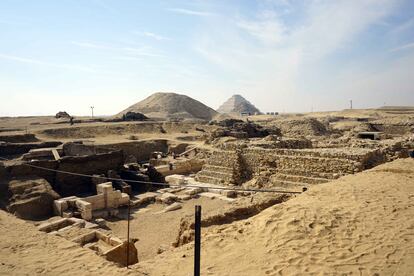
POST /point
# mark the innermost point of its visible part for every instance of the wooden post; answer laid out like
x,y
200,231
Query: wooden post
x,y
197,240
127,253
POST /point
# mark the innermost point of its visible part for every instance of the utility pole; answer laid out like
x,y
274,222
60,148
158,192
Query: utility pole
x,y
351,103
92,107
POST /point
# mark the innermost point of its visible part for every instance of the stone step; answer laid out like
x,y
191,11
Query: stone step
x,y
218,168
299,178
219,162
210,179
221,175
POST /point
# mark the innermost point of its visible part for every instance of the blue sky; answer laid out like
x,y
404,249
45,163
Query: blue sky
x,y
281,55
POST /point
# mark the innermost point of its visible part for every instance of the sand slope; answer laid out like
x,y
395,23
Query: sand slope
x,y
26,251
358,225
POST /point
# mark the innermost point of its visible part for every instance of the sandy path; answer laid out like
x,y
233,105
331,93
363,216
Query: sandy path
x,y
361,225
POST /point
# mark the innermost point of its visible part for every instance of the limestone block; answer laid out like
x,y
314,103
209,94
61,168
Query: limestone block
x,y
85,209
124,200
184,197
60,206
175,179
112,199
144,198
173,207
118,254
167,198
104,188
229,193
97,201
193,191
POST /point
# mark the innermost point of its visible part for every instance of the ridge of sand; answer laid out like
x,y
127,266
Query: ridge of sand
x,y
361,224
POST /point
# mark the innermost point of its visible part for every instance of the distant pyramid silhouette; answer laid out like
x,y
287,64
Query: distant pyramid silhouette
x,y
237,104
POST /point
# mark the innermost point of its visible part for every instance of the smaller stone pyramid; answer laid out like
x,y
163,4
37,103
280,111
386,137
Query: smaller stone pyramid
x,y
238,104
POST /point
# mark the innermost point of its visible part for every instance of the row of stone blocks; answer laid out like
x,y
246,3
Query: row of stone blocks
x,y
106,198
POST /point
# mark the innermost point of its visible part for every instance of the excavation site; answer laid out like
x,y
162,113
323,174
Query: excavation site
x,y
68,189
213,138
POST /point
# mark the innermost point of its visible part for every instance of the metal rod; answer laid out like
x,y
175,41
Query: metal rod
x,y
127,252
197,240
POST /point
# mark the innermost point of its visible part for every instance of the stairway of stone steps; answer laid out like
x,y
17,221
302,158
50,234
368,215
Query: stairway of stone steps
x,y
226,177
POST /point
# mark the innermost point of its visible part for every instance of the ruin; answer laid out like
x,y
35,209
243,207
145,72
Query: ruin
x,y
76,182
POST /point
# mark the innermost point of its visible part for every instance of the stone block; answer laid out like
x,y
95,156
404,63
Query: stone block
x,y
104,188
173,207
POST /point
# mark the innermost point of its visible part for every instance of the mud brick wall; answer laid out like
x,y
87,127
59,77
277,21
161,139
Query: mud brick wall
x,y
67,184
20,148
141,150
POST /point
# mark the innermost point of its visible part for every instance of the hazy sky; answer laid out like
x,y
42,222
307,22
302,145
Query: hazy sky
x,y
281,55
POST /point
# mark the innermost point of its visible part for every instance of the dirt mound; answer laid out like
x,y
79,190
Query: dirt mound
x,y
171,105
237,104
303,127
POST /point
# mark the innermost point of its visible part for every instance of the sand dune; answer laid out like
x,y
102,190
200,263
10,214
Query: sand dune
x,y
358,225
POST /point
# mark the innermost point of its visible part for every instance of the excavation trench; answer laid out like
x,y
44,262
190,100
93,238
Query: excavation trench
x,y
244,209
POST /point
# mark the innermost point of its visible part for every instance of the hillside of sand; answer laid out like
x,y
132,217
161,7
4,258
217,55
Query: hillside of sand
x,y
171,105
360,224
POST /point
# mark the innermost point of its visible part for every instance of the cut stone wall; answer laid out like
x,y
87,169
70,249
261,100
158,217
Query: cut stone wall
x,y
106,198
287,166
223,167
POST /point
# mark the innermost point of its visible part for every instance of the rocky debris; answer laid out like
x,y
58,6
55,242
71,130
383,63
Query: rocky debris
x,y
167,198
173,207
171,105
184,197
193,191
238,104
101,222
229,122
241,130
275,142
62,114
302,127
31,198
229,193
143,199
134,116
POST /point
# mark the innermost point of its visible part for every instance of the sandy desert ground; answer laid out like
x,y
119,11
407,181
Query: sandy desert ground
x,y
360,224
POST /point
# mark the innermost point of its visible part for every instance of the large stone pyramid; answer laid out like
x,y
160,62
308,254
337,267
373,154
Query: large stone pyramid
x,y
171,105
237,104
